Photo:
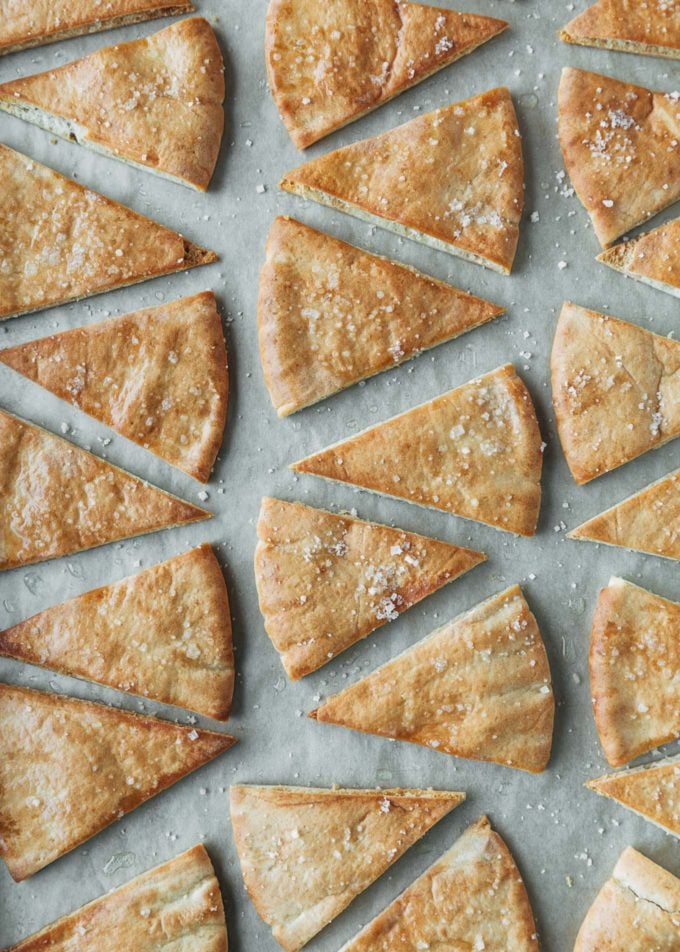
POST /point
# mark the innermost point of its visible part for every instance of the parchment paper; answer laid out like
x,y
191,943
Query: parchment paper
x,y
565,839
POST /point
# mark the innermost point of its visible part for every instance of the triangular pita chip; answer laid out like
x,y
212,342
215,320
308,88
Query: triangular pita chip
x,y
473,897
616,390
155,102
326,581
58,499
42,21
453,179
179,901
653,258
648,521
651,28
331,63
306,853
652,791
330,314
636,910
478,687
158,376
619,144
164,634
61,242
634,664
473,452
69,768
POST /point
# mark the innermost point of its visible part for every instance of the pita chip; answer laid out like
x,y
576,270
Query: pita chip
x,y
179,900
452,179
23,25
69,768
155,102
648,521
473,452
634,663
616,390
330,314
473,897
61,242
163,634
620,147
651,28
653,259
326,581
478,687
306,853
331,63
57,499
652,791
636,910
158,376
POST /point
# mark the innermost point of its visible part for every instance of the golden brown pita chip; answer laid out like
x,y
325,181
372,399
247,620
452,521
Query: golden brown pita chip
x,y
326,581
158,376
330,314
164,634
306,853
635,911
651,28
634,665
616,390
60,242
69,768
653,259
155,102
648,521
473,897
331,63
652,791
37,22
452,179
56,499
473,452
620,148
179,900
478,687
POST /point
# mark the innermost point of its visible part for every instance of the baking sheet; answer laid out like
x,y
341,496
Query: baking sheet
x,y
564,838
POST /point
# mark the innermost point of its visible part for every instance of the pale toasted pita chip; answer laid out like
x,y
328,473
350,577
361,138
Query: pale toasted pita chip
x,y
179,900
619,144
56,499
158,376
164,634
330,314
23,25
60,242
648,521
652,791
69,768
306,853
634,664
331,63
651,28
478,687
636,910
616,390
326,581
473,452
473,897
155,103
653,259
453,179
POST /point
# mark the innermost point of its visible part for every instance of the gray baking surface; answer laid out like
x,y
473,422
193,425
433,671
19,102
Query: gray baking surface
x,y
565,839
